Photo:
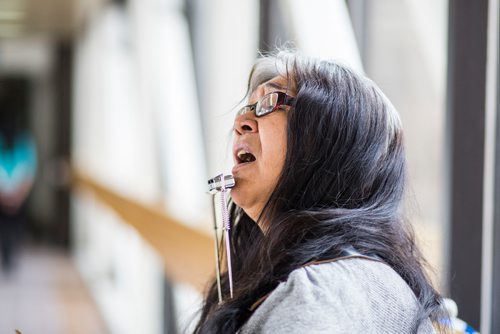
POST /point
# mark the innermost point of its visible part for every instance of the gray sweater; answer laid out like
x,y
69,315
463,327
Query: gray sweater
x,y
347,296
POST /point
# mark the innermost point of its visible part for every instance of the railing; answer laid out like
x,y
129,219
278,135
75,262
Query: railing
x,y
187,254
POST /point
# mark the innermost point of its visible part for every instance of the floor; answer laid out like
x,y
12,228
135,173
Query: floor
x,y
44,294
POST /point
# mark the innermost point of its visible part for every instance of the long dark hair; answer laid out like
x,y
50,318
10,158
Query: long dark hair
x,y
343,184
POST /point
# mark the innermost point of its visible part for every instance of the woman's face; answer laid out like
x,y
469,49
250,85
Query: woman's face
x,y
264,138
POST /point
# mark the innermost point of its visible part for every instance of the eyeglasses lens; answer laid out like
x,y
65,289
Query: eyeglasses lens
x,y
267,104
245,110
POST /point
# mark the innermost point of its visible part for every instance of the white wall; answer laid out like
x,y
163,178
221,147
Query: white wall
x,y
114,144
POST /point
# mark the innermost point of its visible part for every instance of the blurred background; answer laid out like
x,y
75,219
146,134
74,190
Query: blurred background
x,y
113,115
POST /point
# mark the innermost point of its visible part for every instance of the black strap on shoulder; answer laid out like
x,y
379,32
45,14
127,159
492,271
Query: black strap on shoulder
x,y
347,253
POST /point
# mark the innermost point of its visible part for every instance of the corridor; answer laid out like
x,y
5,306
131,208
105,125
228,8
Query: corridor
x,y
45,294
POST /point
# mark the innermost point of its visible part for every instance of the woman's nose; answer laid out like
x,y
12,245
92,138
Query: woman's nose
x,y
245,124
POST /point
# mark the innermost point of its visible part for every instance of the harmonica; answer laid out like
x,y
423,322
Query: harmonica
x,y
219,183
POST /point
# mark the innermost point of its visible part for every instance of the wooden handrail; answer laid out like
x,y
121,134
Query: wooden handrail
x,y
187,254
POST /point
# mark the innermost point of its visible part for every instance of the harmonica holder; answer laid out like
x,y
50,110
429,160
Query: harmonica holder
x,y
221,184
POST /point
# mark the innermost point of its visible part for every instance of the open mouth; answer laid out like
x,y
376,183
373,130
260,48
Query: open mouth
x,y
243,156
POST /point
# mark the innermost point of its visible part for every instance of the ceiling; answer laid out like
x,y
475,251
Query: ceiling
x,y
51,18
29,30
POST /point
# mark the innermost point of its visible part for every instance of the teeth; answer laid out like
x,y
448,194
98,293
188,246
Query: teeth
x,y
241,153
245,156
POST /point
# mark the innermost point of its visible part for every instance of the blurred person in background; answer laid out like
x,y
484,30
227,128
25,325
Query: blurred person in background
x,y
321,243
18,162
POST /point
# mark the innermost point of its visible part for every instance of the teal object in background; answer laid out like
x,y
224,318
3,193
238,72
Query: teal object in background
x,y
17,163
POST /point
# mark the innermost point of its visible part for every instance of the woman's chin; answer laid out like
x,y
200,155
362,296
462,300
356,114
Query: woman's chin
x,y
238,199
236,196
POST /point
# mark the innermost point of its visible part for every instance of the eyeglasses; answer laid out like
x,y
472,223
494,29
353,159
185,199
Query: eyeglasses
x,y
267,104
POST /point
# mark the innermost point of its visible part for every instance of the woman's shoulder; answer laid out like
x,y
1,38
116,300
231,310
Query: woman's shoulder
x,y
360,285
354,276
347,296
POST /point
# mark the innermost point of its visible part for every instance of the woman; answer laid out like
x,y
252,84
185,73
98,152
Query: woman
x,y
320,173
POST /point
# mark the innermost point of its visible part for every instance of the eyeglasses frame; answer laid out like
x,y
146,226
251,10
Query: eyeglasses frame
x,y
283,100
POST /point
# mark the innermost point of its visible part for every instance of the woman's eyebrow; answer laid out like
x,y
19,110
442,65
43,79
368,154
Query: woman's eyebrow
x,y
275,86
